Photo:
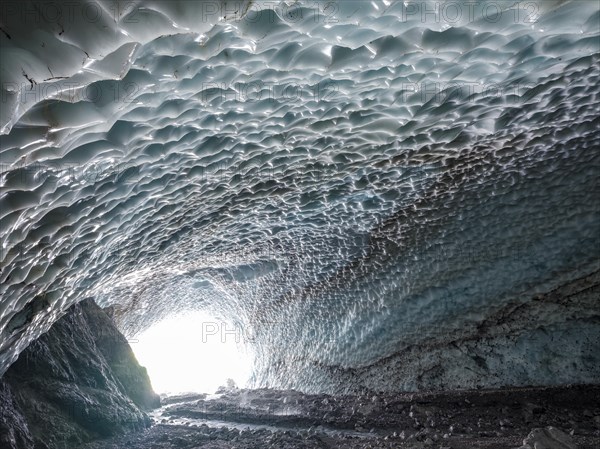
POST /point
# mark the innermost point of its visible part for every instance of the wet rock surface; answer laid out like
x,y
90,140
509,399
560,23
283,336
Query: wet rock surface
x,y
14,431
493,419
77,383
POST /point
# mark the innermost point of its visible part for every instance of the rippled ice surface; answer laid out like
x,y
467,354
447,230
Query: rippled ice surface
x,y
340,183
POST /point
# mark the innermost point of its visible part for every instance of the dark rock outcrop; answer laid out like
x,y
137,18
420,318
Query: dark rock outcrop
x,y
117,352
77,383
14,432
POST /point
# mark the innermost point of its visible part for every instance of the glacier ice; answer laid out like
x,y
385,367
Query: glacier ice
x,y
384,194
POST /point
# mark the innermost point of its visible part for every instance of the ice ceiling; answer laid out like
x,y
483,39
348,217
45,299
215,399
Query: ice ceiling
x,y
385,194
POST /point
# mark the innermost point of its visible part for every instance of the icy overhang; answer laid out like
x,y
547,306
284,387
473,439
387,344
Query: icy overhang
x,y
343,180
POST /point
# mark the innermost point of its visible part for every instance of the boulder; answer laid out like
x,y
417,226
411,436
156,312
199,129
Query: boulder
x,y
548,438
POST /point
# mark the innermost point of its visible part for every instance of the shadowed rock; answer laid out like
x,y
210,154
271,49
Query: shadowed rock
x,y
77,383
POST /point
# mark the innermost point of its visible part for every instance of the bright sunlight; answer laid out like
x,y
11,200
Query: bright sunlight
x,y
192,353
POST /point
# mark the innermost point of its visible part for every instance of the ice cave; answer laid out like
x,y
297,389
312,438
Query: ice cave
x,y
300,224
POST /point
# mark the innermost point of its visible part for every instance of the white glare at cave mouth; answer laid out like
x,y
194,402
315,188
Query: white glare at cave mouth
x,y
192,353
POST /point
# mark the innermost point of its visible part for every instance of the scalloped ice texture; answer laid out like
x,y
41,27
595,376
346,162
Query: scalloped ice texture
x,y
344,181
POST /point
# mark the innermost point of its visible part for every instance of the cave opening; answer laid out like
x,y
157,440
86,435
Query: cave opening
x,y
193,352
374,223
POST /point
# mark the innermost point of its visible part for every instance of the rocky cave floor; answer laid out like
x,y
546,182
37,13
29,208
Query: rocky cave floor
x,y
491,419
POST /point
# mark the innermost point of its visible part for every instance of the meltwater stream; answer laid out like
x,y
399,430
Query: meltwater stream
x,y
378,195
